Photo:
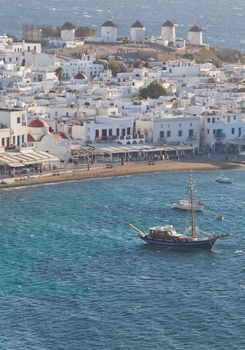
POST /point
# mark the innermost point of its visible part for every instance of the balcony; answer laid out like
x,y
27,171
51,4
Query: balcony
x,y
192,138
106,139
127,139
219,136
131,139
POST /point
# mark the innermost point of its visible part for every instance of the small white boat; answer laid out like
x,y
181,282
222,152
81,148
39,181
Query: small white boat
x,y
223,179
188,203
185,204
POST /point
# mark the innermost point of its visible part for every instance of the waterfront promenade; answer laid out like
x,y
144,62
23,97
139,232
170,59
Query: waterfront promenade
x,y
101,170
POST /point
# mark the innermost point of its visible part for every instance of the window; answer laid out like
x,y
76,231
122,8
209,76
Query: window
x,y
233,131
13,140
110,132
118,131
207,131
97,133
191,132
23,139
23,120
180,133
18,140
208,120
168,133
161,134
3,142
128,131
18,120
213,120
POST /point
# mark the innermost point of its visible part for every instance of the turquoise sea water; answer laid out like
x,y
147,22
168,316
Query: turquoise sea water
x,y
73,275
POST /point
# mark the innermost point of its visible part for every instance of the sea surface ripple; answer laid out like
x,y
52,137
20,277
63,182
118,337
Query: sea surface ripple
x,y
221,20
75,276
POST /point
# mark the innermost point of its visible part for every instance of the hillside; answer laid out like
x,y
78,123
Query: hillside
x,y
216,55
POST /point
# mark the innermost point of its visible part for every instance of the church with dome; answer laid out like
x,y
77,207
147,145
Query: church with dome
x,y
43,138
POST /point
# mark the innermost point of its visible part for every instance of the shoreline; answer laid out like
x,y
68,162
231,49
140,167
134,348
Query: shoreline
x,y
115,170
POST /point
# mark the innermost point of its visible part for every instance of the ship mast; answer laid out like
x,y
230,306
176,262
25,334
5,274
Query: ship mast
x,y
191,187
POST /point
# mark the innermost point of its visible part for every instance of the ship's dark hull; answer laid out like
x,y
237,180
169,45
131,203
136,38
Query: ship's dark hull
x,y
180,244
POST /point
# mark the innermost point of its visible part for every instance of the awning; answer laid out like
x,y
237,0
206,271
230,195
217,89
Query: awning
x,y
25,158
102,149
10,161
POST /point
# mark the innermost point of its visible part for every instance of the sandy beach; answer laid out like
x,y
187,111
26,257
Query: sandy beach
x,y
103,170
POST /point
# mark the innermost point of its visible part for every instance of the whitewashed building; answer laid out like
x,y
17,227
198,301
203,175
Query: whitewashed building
x,y
26,47
220,129
179,129
57,144
8,45
68,32
103,129
109,32
14,52
85,65
13,127
39,60
195,36
181,69
168,33
137,32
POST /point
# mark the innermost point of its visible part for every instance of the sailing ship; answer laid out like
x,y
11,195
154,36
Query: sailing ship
x,y
190,238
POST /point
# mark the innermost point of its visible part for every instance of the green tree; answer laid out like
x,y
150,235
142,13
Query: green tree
x,y
59,73
116,67
153,90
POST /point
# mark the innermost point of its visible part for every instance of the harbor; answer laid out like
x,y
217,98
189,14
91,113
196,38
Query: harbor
x,y
82,172
68,255
122,162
